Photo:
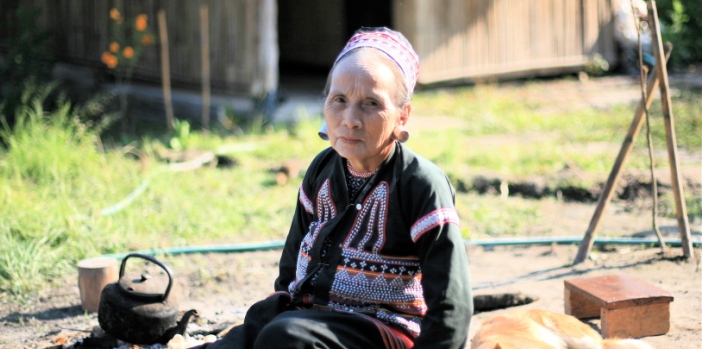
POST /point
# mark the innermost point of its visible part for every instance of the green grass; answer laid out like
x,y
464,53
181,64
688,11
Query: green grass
x,y
541,140
57,179
511,219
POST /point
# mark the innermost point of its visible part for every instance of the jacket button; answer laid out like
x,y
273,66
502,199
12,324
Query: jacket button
x,y
358,207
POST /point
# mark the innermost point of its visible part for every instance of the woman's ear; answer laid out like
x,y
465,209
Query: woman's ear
x,y
405,113
400,133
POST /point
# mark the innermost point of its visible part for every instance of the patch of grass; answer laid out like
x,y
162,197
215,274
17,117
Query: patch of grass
x,y
473,125
687,109
57,179
492,216
27,263
693,206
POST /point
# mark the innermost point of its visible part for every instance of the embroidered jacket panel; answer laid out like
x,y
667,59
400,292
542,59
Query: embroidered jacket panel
x,y
395,253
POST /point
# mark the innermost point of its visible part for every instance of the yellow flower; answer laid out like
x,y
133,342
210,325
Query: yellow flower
x,y
115,15
147,40
109,59
114,47
141,22
128,52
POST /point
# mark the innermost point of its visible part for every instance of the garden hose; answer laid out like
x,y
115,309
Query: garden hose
x,y
277,244
175,167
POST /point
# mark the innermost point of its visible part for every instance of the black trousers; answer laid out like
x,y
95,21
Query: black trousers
x,y
268,324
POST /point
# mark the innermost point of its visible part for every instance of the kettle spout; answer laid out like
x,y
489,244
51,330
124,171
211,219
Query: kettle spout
x,y
179,328
183,323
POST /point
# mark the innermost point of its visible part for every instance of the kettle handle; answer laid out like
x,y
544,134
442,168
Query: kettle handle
x,y
152,260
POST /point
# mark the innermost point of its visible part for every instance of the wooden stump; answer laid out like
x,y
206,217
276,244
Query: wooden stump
x,y
93,275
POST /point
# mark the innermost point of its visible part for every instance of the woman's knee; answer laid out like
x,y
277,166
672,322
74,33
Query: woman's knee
x,y
286,332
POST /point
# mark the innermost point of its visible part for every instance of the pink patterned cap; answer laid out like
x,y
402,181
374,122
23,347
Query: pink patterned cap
x,y
393,44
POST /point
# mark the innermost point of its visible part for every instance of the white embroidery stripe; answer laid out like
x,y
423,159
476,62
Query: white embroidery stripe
x,y
305,201
326,209
436,218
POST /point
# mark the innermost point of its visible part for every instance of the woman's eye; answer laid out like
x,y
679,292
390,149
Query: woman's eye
x,y
371,104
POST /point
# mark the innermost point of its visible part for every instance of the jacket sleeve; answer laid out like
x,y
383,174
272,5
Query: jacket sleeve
x,y
298,228
444,263
303,217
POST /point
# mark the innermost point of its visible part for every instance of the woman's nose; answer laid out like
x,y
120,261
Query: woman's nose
x,y
351,117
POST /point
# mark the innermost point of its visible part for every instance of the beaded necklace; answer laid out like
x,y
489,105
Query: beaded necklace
x,y
359,174
355,180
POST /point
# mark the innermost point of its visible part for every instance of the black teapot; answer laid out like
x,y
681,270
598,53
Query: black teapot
x,y
138,309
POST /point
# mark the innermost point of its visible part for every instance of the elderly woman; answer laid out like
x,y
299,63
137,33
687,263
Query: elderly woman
x,y
374,257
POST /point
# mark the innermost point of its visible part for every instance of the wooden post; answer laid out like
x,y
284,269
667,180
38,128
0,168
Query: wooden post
x,y
666,105
93,275
615,174
165,69
205,46
268,54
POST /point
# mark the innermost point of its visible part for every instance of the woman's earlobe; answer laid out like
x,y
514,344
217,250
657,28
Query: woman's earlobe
x,y
323,132
400,134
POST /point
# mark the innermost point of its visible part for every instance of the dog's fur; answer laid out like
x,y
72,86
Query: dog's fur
x,y
541,329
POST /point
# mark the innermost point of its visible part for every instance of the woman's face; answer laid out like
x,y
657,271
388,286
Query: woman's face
x,y
360,108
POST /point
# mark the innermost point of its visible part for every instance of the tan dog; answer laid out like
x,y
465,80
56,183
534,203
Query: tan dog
x,y
541,329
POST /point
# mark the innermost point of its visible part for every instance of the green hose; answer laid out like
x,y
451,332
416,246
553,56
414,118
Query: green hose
x,y
261,246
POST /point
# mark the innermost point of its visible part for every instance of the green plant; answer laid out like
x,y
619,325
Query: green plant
x,y
127,43
45,145
26,59
687,108
240,124
26,56
681,25
48,172
26,263
693,206
597,65
181,138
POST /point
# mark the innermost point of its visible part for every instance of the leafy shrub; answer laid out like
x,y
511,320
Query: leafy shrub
x,y
25,59
681,25
44,145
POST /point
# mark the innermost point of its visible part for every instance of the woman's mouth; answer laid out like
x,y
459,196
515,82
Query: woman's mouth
x,y
349,140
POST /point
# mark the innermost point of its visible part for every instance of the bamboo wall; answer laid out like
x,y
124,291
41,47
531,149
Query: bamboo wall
x,y
456,39
473,39
81,32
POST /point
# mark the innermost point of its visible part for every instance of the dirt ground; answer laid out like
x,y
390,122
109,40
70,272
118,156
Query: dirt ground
x,y
222,286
